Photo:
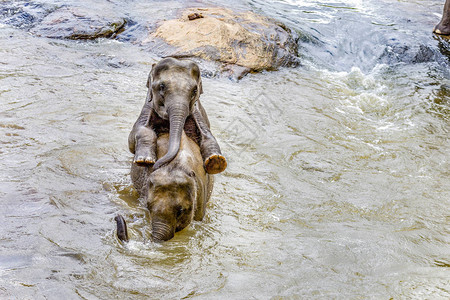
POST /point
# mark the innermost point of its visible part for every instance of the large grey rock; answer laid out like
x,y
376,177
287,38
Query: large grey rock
x,y
78,23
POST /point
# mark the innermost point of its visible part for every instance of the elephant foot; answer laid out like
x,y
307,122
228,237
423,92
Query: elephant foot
x,y
445,31
441,29
144,159
215,164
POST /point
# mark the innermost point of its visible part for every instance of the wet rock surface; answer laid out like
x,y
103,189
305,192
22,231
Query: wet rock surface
x,y
77,23
62,22
223,41
410,54
247,40
23,15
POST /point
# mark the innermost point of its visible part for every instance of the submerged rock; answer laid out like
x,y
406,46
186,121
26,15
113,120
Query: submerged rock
x,y
246,40
23,14
76,23
402,53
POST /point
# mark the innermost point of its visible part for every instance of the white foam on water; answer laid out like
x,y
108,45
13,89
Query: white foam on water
x,y
358,92
145,249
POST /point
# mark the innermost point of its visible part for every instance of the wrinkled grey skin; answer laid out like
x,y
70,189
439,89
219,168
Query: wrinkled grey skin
x,y
174,88
444,25
177,192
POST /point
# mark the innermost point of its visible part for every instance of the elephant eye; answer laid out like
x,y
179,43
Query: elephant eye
x,y
179,211
194,92
162,87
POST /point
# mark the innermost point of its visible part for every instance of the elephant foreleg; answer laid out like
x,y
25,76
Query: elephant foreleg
x,y
142,138
213,159
444,25
145,146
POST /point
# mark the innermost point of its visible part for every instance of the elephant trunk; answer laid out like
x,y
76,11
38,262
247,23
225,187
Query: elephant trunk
x,y
177,116
162,230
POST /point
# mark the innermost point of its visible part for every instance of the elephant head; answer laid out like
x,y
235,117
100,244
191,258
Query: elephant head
x,y
174,87
172,201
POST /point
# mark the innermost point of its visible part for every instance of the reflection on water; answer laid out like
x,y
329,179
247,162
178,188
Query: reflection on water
x,y
338,180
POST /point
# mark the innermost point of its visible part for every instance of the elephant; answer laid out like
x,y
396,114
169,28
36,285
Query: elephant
x,y
444,25
173,104
176,193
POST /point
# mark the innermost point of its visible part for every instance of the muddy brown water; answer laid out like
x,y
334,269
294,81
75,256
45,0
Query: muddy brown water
x,y
338,180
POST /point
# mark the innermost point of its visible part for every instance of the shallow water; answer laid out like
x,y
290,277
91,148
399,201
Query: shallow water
x,y
338,179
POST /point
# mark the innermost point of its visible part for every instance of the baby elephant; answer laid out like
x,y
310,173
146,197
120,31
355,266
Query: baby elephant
x,y
175,193
173,105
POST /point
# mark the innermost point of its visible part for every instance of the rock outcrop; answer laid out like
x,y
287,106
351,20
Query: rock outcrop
x,y
78,24
223,41
248,40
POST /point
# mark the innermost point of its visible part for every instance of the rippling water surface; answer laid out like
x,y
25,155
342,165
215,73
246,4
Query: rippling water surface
x,y
338,182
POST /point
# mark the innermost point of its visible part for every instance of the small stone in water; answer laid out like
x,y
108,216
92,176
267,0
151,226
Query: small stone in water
x,y
194,16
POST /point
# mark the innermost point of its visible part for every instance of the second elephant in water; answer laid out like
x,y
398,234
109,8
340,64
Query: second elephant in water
x,y
176,193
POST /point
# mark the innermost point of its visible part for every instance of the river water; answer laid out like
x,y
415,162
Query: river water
x,y
338,179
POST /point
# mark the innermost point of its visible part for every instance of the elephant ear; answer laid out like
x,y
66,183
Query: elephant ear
x,y
200,85
196,73
149,84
